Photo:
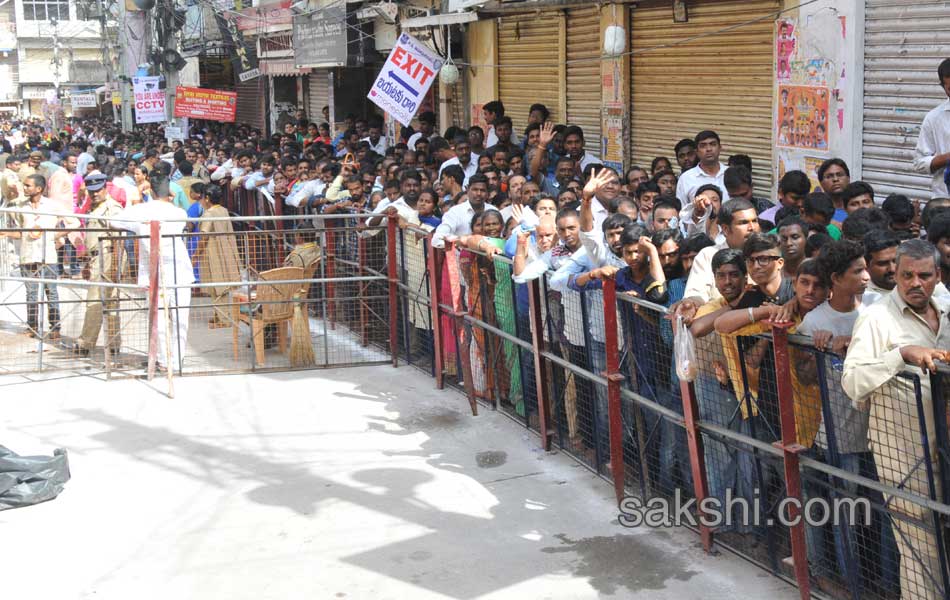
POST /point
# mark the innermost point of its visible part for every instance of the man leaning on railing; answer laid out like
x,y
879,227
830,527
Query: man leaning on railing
x,y
906,330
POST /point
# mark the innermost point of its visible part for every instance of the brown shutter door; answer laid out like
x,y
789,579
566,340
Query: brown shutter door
x,y
583,78
250,102
722,82
524,43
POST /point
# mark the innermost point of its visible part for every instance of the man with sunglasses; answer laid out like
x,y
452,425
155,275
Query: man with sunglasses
x,y
762,253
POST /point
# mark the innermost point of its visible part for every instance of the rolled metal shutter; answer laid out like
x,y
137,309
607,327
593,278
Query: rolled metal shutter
x,y
721,82
904,41
318,87
250,102
525,43
583,78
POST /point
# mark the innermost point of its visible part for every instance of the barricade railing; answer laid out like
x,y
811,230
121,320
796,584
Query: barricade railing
x,y
760,423
235,289
765,420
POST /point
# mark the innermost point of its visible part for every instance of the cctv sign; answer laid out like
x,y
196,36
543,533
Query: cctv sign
x,y
149,100
405,79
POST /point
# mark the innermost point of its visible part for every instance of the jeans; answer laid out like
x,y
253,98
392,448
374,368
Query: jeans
x,y
719,407
886,560
674,448
33,314
597,353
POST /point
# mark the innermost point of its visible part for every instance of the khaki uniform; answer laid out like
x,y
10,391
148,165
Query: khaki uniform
x,y
107,262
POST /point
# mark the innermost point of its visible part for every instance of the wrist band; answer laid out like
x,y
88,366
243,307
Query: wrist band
x,y
751,315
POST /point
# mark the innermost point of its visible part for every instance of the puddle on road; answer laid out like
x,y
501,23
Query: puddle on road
x,y
626,561
491,459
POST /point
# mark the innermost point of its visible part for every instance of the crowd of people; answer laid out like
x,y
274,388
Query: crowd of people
x,y
686,233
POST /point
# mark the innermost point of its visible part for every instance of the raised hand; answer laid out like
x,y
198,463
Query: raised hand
x,y
596,183
547,135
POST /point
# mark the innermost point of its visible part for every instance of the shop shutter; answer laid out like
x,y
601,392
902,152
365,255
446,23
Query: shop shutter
x,y
722,82
318,83
903,44
528,73
583,78
250,102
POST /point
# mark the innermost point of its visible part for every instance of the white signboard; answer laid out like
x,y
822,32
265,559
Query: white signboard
x,y
406,76
149,100
83,101
174,133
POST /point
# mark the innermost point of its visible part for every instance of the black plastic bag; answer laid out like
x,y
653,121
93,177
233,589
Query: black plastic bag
x,y
26,480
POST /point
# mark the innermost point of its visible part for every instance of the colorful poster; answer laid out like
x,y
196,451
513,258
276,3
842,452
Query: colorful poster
x,y
405,78
478,118
200,103
803,117
612,143
811,169
785,42
149,100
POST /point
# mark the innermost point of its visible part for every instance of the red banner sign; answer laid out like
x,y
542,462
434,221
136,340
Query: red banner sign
x,y
199,103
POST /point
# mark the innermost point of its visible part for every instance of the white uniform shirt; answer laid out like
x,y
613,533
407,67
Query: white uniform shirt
x,y
176,266
934,139
695,178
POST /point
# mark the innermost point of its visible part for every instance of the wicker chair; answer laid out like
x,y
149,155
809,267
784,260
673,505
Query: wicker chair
x,y
269,304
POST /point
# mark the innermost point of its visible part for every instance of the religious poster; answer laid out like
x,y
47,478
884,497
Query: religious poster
x,y
803,117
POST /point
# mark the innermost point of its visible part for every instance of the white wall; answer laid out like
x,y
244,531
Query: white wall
x,y
828,41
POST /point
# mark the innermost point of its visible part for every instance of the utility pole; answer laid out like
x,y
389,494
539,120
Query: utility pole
x,y
126,106
57,71
106,58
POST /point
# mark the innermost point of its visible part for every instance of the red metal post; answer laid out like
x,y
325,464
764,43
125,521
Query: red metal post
x,y
361,286
791,449
153,287
433,267
452,268
540,366
279,212
391,223
614,378
697,457
330,256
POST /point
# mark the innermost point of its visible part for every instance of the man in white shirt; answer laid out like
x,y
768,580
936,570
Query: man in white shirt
x,y
491,112
464,158
175,265
709,169
737,220
37,250
377,143
574,148
458,220
932,154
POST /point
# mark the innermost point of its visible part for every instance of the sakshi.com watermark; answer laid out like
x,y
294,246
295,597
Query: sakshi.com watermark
x,y
731,511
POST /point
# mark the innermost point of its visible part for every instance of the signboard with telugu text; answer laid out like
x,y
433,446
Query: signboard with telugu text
x,y
201,103
149,100
406,76
84,100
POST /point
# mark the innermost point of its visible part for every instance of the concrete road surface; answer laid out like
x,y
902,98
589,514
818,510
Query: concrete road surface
x,y
354,483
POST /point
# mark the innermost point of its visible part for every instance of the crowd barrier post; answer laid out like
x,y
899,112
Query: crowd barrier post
x,y
791,449
153,257
391,227
697,460
540,365
330,253
614,380
432,265
361,287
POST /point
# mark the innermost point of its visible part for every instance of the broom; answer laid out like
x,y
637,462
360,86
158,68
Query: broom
x,y
301,346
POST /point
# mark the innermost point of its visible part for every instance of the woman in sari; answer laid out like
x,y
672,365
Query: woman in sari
x,y
497,304
218,255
